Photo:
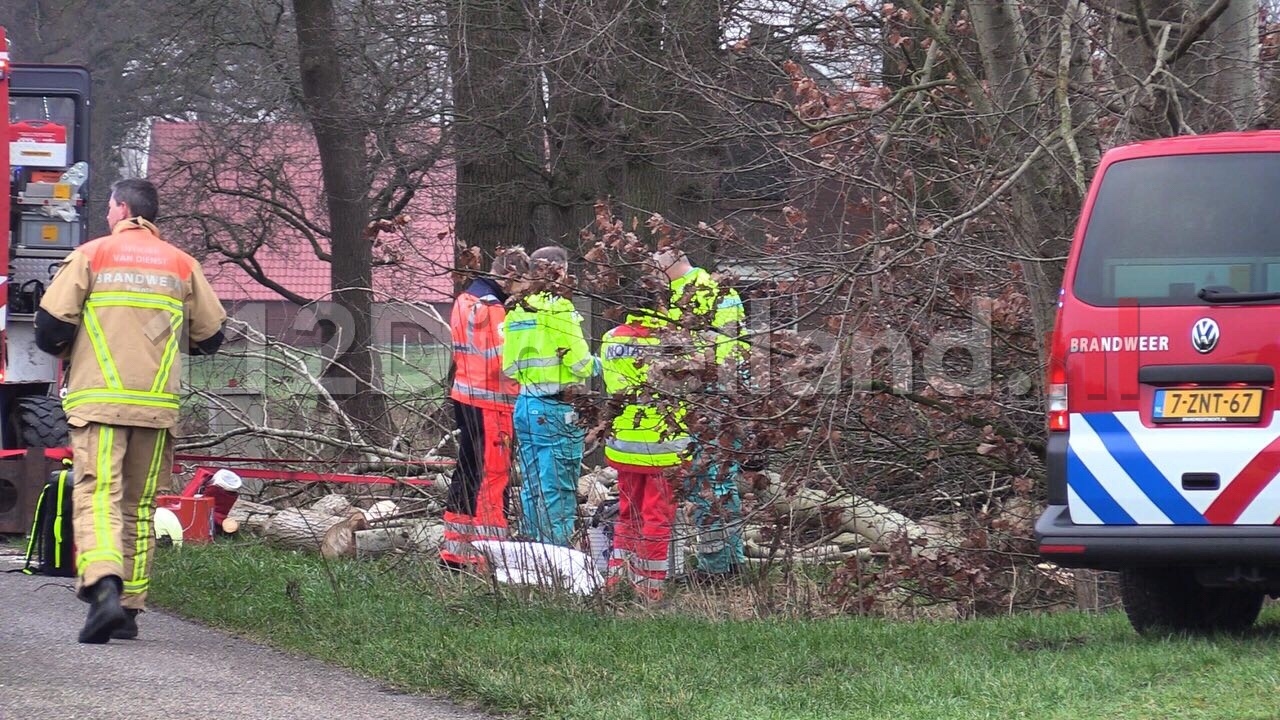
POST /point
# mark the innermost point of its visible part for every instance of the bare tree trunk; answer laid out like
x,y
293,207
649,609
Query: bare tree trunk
x,y
1003,41
496,124
251,517
695,153
1042,208
1080,73
1181,53
300,529
582,122
340,138
642,95
1231,78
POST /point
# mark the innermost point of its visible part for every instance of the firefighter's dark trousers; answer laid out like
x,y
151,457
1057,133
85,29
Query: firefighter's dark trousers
x,y
475,508
117,471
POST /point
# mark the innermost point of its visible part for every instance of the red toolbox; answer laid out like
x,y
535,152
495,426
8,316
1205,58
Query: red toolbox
x,y
195,514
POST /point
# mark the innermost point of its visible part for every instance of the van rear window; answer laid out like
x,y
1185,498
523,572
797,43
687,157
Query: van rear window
x,y
1162,228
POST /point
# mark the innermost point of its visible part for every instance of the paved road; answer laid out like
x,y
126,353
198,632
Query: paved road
x,y
176,670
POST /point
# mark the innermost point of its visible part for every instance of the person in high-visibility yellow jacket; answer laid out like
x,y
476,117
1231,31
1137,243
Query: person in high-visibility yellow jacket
x,y
644,447
711,488
720,314
546,352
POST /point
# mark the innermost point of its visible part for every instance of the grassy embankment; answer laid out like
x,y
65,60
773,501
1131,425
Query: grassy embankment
x,y
512,651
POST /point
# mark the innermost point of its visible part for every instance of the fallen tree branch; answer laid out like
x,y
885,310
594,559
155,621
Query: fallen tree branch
x,y
850,513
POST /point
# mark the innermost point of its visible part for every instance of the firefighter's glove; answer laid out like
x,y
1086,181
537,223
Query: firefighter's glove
x,y
53,336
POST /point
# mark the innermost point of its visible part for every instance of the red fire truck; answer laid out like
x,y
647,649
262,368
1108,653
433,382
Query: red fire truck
x,y
42,219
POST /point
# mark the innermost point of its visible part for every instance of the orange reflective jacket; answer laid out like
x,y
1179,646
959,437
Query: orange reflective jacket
x,y
476,326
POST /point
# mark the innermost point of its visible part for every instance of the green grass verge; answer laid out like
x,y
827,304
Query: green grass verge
x,y
417,630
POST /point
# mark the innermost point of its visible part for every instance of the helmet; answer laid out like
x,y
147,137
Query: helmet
x,y
167,527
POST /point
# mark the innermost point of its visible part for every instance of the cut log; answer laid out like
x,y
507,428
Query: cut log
x,y
415,536
380,510
605,477
299,529
756,546
807,558
354,538
852,513
422,536
251,516
333,504
597,495
820,554
340,540
375,541
848,539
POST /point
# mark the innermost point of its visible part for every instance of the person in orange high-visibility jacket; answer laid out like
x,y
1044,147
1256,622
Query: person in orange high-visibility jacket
x,y
123,308
483,398
645,447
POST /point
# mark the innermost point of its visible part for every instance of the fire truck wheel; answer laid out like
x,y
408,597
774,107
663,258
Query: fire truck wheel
x,y
38,421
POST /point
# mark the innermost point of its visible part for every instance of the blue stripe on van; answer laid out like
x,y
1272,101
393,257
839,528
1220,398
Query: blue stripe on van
x,y
1092,493
1138,466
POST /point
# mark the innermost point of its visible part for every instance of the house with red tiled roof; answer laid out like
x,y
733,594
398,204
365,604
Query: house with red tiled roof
x,y
248,201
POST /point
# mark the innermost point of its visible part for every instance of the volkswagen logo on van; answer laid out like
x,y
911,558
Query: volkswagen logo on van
x,y
1204,335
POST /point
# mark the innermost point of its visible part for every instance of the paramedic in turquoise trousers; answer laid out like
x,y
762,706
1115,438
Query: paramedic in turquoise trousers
x,y
545,351
711,488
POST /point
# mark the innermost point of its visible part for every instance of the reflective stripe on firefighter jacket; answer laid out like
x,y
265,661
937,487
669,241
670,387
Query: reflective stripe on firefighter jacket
x,y
476,326
642,435
137,302
722,309
544,350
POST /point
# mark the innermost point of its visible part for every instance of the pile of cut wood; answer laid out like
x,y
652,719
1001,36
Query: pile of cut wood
x,y
338,526
335,527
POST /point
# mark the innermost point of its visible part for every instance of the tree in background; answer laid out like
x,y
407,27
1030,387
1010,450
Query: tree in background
x,y
499,153
358,93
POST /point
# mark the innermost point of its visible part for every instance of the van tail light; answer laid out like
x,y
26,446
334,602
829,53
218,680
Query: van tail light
x,y
1056,390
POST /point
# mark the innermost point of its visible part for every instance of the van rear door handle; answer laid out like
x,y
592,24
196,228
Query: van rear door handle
x,y
1200,481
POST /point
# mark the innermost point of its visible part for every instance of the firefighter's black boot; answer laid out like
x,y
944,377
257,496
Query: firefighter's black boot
x,y
128,631
105,613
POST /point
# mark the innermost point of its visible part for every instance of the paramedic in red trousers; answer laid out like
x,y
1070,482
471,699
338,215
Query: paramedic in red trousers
x,y
483,399
546,352
123,309
645,447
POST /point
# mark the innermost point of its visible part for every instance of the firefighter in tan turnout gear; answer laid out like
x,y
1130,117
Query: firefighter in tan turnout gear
x,y
123,309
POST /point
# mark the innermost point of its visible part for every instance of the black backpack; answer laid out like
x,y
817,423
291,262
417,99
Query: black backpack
x,y
51,548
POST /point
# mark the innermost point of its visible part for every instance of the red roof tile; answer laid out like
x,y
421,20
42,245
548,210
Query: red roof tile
x,y
231,189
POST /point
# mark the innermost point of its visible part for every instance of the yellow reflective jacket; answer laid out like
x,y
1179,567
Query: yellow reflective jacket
x,y
721,310
543,348
641,435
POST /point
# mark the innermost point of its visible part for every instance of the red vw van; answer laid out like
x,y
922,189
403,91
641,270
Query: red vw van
x,y
1164,432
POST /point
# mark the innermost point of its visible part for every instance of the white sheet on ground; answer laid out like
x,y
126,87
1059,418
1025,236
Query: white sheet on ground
x,y
540,564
